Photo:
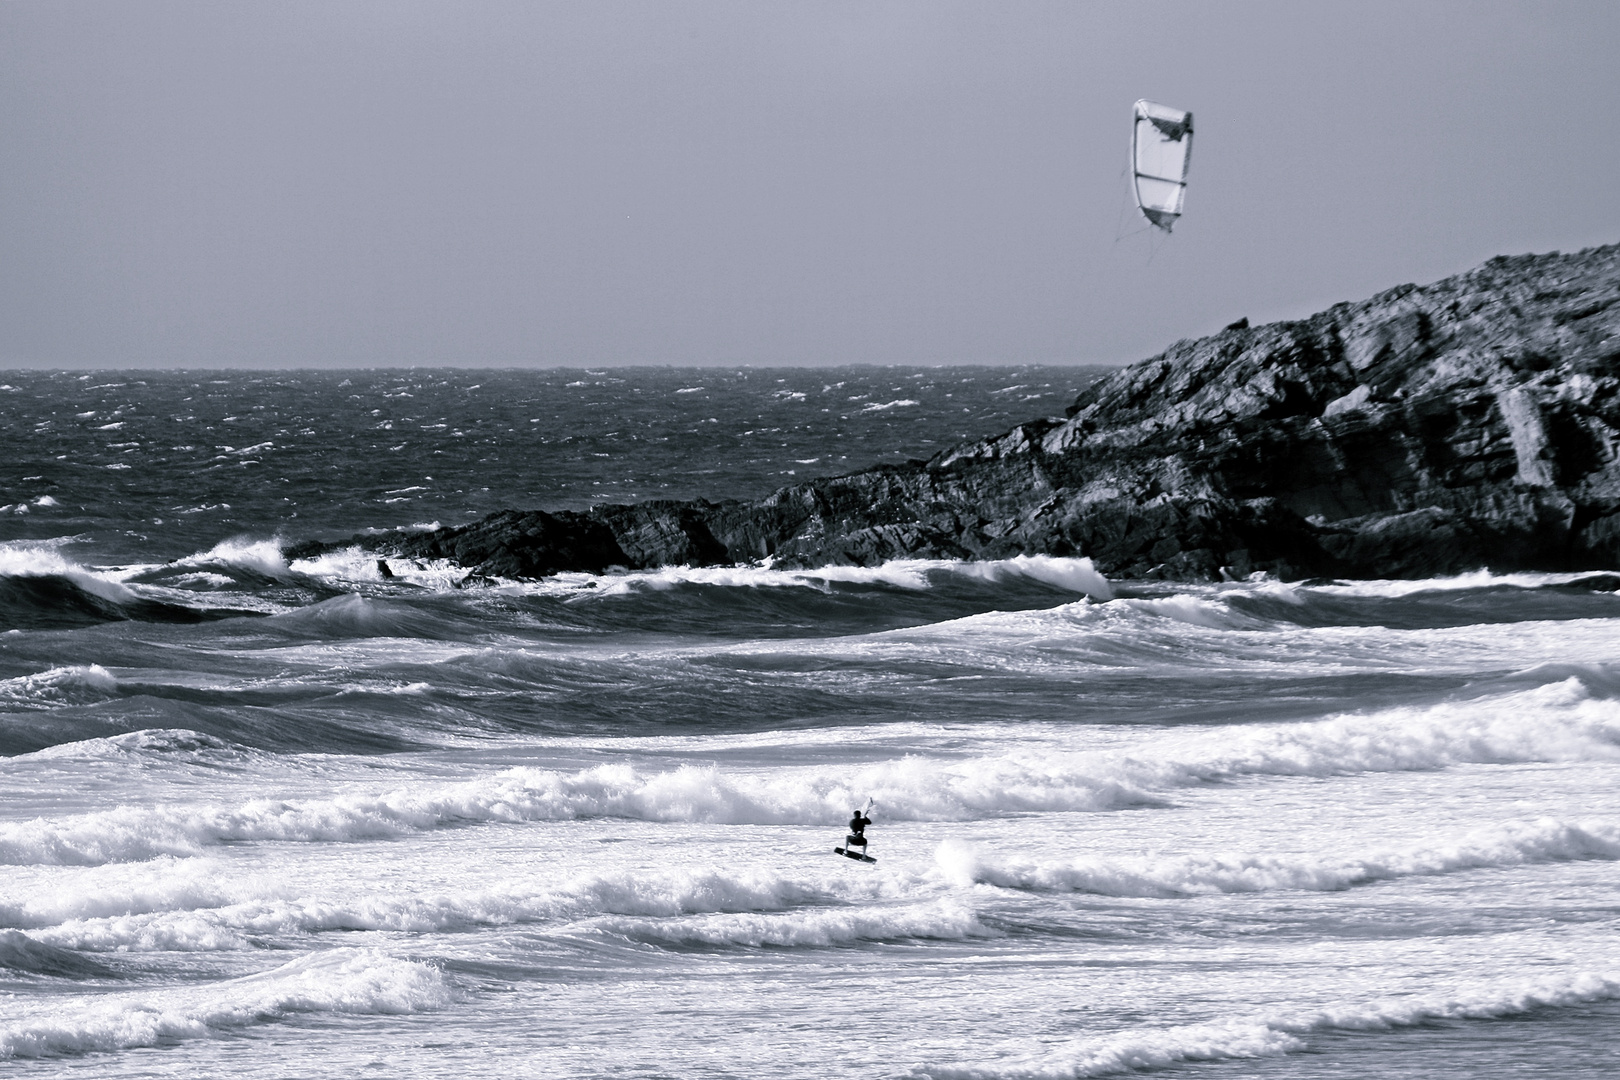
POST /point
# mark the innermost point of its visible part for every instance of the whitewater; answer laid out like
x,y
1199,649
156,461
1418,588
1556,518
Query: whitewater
x,y
268,815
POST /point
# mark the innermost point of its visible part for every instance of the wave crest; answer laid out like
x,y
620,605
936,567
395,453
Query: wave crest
x,y
336,981
1283,1032
1509,844
1558,722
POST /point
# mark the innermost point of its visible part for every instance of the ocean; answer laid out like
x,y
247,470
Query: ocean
x,y
294,818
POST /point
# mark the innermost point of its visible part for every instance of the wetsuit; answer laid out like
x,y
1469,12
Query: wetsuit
x,y
857,829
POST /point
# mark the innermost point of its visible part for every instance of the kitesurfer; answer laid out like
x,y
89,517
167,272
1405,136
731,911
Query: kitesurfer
x,y
857,829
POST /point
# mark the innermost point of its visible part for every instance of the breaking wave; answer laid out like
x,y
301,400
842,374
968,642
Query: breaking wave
x,y
258,556
1284,1032
1510,844
21,953
347,981
40,589
1557,722
76,684
946,920
674,909
191,910
1076,575
187,907
1478,579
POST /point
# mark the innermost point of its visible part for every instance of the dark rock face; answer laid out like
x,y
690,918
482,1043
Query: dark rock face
x,y
1429,430
523,544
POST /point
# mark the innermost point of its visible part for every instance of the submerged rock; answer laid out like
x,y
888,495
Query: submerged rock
x,y
1429,430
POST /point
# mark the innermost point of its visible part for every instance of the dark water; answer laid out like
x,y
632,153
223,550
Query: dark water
x,y
290,818
162,464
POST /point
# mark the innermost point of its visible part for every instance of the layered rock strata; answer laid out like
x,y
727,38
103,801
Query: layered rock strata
x,y
1429,430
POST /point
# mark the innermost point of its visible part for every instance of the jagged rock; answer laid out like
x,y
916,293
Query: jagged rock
x,y
662,533
520,544
1469,423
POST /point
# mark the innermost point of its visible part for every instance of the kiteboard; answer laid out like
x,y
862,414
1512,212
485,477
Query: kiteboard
x,y
851,853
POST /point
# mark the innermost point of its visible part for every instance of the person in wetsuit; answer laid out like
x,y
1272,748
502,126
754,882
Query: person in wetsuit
x,y
857,830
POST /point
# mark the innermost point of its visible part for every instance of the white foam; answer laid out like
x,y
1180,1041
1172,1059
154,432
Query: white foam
x,y
1211,614
1477,579
1191,634
1559,722
1282,1031
1476,1001
166,741
1152,1048
206,579
908,788
88,896
358,565
18,560
1508,844
261,556
58,686
185,908
945,920
347,981
1076,575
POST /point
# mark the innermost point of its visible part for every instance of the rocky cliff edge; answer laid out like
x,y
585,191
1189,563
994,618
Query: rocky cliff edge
x,y
1428,430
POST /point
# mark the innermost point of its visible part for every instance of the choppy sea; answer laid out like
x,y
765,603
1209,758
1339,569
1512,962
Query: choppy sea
x,y
262,817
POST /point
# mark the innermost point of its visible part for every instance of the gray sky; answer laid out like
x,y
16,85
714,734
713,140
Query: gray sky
x,y
324,183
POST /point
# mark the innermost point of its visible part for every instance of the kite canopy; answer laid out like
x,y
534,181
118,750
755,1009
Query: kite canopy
x,y
1161,146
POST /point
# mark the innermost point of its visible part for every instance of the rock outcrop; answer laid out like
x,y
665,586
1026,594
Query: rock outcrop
x,y
1470,423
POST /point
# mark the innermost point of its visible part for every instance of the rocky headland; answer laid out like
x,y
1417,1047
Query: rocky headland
x,y
1434,429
